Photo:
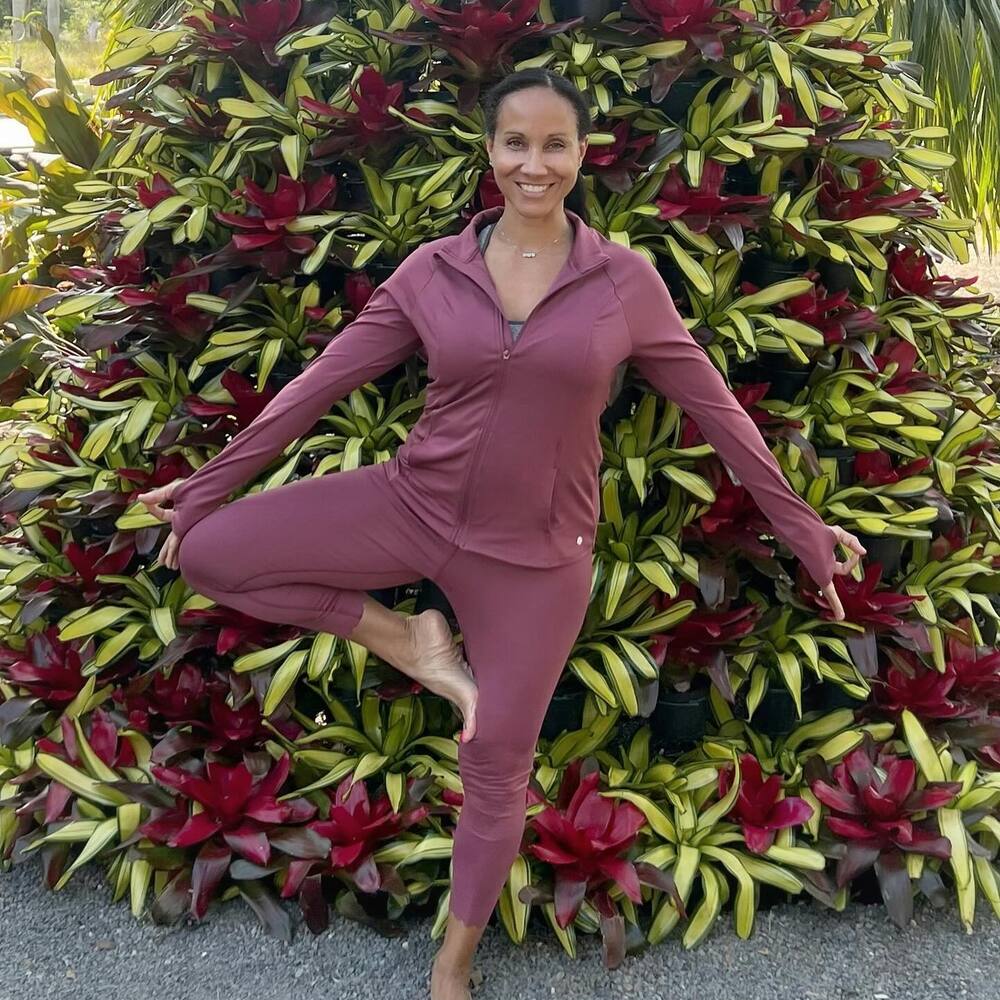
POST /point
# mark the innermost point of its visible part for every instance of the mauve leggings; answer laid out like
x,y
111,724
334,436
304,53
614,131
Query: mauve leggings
x,y
305,553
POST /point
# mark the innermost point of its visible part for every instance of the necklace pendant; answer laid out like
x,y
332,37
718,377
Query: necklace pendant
x,y
529,253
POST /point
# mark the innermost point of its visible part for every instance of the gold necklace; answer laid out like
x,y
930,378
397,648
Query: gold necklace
x,y
524,253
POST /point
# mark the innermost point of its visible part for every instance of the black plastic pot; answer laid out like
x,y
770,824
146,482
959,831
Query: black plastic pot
x,y
775,715
679,719
828,697
740,179
837,277
628,726
620,407
592,11
352,195
844,454
763,270
884,549
379,270
565,712
682,93
786,382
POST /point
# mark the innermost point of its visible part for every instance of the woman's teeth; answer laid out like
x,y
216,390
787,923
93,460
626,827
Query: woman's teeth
x,y
533,188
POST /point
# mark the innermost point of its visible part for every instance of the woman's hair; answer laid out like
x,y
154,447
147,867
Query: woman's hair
x,y
576,200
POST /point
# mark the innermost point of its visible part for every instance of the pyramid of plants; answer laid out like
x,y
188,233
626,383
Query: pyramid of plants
x,y
175,252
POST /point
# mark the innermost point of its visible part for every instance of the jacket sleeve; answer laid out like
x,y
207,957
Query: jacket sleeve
x,y
378,338
666,355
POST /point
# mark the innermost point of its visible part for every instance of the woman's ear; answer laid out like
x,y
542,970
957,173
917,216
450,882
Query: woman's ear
x,y
584,144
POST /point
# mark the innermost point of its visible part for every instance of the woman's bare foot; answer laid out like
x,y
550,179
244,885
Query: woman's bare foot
x,y
448,984
440,667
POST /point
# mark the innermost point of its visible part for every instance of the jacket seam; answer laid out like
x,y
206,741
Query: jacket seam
x,y
625,316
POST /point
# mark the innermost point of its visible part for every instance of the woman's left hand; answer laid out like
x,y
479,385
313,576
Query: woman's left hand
x,y
842,569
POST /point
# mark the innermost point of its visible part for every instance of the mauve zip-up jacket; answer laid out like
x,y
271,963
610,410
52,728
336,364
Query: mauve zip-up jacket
x,y
505,458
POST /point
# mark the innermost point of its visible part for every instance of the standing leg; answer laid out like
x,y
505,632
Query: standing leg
x,y
519,625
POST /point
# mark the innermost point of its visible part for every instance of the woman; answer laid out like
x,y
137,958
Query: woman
x,y
524,317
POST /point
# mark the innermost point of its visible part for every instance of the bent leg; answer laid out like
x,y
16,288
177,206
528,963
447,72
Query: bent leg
x,y
305,553
518,625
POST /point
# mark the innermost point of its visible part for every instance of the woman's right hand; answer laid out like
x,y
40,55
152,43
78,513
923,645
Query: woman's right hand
x,y
152,499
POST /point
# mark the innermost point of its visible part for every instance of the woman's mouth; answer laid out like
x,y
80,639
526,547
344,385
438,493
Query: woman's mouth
x,y
533,189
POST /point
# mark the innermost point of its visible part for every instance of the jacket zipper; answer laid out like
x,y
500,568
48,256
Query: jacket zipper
x,y
463,528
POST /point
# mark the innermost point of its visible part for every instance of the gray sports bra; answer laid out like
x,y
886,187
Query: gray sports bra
x,y
484,238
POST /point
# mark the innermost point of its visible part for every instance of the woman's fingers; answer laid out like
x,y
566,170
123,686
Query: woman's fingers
x,y
833,600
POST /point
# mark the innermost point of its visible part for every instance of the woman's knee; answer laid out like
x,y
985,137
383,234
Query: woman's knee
x,y
202,557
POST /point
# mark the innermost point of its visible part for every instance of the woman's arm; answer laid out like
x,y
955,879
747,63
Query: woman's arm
x,y
378,338
667,356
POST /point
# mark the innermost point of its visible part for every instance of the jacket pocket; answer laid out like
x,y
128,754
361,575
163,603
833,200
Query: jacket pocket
x,y
554,489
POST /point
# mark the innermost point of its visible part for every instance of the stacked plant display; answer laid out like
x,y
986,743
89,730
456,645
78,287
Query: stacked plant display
x,y
177,254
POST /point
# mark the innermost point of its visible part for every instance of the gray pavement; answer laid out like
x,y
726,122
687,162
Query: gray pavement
x,y
76,944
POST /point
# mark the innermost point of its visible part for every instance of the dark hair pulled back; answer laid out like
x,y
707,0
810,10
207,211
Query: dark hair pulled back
x,y
576,200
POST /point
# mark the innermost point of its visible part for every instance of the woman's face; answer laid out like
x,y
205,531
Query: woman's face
x,y
536,153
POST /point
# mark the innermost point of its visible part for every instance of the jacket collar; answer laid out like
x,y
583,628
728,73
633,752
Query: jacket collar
x,y
463,248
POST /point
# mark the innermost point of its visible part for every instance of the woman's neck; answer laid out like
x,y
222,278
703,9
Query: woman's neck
x,y
534,233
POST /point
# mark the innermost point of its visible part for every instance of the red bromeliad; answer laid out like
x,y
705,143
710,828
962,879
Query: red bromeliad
x,y
875,811
166,300
875,468
704,24
478,35
699,642
758,808
704,207
265,225
238,807
48,667
108,747
910,274
908,683
616,163
829,312
251,32
791,14
352,831
371,126
584,836
862,602
838,201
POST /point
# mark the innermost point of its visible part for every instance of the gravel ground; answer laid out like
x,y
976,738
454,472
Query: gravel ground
x,y
76,945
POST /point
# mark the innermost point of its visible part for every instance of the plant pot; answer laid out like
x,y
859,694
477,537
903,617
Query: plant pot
x,y
837,277
786,382
628,726
762,269
771,896
672,275
884,549
844,454
620,407
352,195
565,712
739,179
680,97
864,889
828,697
679,719
592,11
379,270
775,715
